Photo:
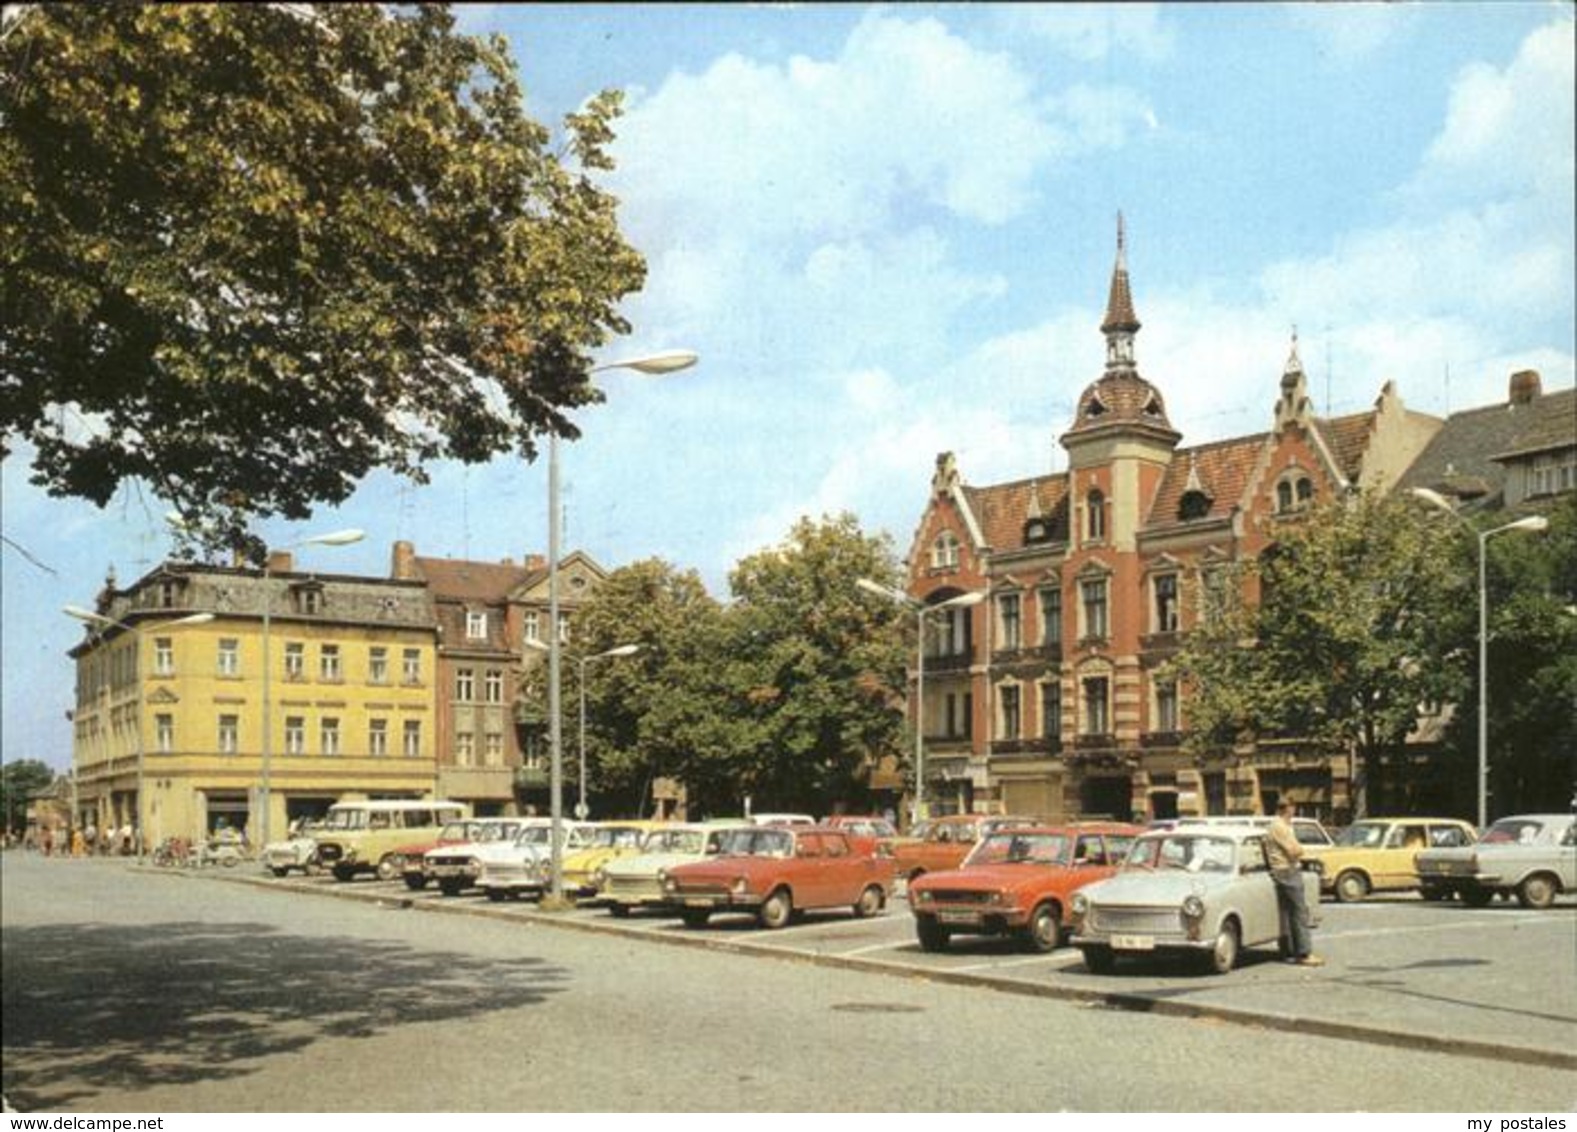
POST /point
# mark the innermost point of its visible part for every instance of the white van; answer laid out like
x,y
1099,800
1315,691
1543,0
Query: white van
x,y
364,836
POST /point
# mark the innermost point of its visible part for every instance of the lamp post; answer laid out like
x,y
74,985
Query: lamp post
x,y
581,810
921,611
91,618
1526,523
670,361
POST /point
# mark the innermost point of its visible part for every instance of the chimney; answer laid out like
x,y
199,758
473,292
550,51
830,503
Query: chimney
x,y
281,562
1526,387
536,562
402,565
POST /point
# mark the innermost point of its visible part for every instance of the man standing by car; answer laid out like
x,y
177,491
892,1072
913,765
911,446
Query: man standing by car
x,y
1285,852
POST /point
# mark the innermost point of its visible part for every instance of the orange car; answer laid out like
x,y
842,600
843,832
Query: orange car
x,y
947,841
1018,881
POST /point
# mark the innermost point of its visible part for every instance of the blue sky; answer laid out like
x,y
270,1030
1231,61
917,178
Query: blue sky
x,y
888,232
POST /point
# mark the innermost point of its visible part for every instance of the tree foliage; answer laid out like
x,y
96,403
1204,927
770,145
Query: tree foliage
x,y
20,779
252,252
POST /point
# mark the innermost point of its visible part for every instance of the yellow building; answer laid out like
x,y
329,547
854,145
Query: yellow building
x,y
174,704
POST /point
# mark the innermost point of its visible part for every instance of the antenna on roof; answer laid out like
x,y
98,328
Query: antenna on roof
x,y
1327,370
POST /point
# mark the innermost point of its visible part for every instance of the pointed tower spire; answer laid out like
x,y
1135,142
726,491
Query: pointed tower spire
x,y
1121,324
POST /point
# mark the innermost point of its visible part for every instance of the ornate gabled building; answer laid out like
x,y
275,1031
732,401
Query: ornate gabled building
x,y
1049,698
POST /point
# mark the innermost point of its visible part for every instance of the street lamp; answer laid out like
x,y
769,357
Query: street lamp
x,y
581,810
670,361
1526,523
92,618
922,611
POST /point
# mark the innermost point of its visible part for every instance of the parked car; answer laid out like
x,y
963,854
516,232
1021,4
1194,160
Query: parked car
x,y
868,832
775,871
298,851
1532,855
452,863
632,882
1017,882
609,840
1309,832
946,841
1379,854
782,819
363,836
522,868
1203,892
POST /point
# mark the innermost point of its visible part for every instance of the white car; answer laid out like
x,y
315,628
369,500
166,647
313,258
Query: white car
x,y
509,870
453,864
1204,891
637,882
1532,855
298,851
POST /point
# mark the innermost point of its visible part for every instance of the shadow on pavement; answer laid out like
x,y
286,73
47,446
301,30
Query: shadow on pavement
x,y
95,1006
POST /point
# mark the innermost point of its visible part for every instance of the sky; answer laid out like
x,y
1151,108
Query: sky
x,y
888,232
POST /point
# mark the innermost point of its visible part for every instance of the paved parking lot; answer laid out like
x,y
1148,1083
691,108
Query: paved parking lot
x,y
1499,981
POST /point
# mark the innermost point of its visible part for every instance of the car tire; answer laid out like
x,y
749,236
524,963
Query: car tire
x,y
1477,897
869,903
415,883
279,872
1224,952
1351,886
1099,960
932,935
1434,892
696,917
619,911
1537,891
451,887
389,868
496,895
344,873
776,911
1043,933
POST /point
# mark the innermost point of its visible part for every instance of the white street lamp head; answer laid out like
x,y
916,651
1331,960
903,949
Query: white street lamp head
x,y
335,538
1529,523
670,361
962,601
621,650
1433,498
194,619
887,592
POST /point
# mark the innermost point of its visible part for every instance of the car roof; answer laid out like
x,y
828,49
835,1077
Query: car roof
x,y
1238,831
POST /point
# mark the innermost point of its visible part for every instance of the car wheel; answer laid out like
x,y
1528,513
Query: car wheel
x,y
343,873
450,887
1099,960
1434,892
696,917
619,911
1477,897
390,867
869,903
415,881
1351,886
229,860
1043,933
279,872
496,895
1537,891
932,935
1224,955
777,911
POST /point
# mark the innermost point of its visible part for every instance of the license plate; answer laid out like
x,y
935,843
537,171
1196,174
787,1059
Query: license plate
x,y
1133,942
697,902
957,918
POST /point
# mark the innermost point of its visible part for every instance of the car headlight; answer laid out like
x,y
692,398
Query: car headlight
x,y
740,886
668,882
1080,904
923,896
1193,907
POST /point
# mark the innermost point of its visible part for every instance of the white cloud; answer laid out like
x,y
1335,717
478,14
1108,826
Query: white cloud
x,y
1347,33
1093,32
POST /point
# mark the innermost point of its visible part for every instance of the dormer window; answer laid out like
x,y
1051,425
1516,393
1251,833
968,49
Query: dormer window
x,y
1152,408
309,599
944,551
1037,530
1294,492
1195,504
1094,407
476,625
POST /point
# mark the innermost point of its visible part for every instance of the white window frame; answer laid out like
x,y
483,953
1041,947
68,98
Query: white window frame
x,y
476,625
329,735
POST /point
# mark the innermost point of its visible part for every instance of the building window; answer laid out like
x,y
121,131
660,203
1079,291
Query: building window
x,y
944,551
493,686
378,737
168,592
476,625
1095,626
1009,621
295,660
329,733
1096,718
411,666
229,657
1166,706
229,734
163,656
411,743
563,628
960,710
1095,515
1051,709
1294,493
464,685
329,663
1008,699
532,626
378,665
1305,489
1051,616
295,735
495,748
1216,593
1553,472
464,748
164,733
1166,618
309,601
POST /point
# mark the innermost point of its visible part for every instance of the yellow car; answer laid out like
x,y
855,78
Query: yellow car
x,y
1379,854
609,840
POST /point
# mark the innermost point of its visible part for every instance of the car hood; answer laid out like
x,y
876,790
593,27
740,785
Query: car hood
x,y
726,868
1142,887
507,851
991,878
648,864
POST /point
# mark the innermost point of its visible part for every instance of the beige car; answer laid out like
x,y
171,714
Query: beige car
x,y
362,836
1381,854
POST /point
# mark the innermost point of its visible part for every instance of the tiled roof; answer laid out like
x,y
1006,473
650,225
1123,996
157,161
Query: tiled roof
x,y
1348,439
1003,509
1120,397
459,579
1222,469
1466,447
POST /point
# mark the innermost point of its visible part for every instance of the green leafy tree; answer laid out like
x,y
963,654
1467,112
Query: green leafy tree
x,y
1344,645
20,779
252,252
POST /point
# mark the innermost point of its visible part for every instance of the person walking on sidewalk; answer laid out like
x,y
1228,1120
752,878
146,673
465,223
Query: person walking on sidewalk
x,y
1285,852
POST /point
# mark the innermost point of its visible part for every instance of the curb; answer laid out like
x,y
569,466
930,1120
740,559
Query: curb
x,y
1131,1002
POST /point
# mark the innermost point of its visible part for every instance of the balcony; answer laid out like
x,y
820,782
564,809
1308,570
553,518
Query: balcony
x,y
1156,739
951,662
1035,748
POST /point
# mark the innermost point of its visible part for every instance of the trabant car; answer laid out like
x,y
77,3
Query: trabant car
x,y
609,840
298,851
452,863
1204,892
522,868
1379,854
364,836
946,841
1532,855
775,871
637,882
1017,882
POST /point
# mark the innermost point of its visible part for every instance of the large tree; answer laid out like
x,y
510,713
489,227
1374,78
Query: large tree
x,y
253,251
20,779
1349,638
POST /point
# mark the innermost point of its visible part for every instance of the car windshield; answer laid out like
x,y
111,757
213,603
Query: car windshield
x,y
1363,835
574,837
1511,831
675,841
616,837
495,831
765,842
1192,851
1021,848
346,819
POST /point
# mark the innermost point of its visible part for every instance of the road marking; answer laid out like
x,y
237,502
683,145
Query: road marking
x,y
1501,921
1056,959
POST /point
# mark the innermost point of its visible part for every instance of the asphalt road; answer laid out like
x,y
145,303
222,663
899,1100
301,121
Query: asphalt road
x,y
128,991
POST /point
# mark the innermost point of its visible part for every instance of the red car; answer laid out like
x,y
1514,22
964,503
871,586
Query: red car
x,y
1018,882
947,841
775,871
867,832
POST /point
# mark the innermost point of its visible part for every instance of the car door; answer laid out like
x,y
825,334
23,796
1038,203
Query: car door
x,y
846,870
807,876
1255,891
1394,865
